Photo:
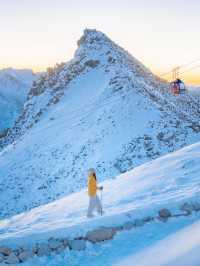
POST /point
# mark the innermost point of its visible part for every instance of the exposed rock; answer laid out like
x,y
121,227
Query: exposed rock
x,y
12,259
100,234
160,136
25,255
77,244
196,206
147,219
92,63
187,207
35,249
60,249
4,133
164,214
43,250
81,40
5,251
65,242
117,228
111,59
54,243
1,257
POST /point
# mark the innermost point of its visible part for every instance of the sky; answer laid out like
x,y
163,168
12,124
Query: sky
x,y
162,34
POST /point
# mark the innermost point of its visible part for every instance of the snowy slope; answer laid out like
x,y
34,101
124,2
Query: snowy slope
x,y
165,182
14,87
195,90
103,109
180,248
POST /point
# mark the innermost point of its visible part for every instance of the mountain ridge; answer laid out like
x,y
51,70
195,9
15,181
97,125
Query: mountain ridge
x,y
102,109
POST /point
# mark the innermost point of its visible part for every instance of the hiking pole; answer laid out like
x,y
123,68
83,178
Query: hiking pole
x,y
101,197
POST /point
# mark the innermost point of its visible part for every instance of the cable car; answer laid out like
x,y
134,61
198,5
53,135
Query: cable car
x,y
177,87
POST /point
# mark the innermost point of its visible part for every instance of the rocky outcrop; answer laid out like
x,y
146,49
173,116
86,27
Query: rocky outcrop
x,y
25,255
54,243
12,259
77,244
164,214
92,63
100,234
5,251
187,208
43,250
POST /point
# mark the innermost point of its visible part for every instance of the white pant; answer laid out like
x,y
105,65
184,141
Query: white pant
x,y
94,203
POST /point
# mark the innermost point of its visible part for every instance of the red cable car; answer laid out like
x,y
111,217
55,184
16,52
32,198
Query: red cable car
x,y
177,87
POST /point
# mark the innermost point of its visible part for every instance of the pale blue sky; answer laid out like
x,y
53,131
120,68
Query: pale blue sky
x,y
161,34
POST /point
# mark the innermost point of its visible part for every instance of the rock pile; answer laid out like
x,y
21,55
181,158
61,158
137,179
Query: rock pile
x,y
57,245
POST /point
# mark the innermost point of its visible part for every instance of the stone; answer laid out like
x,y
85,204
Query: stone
x,y
43,250
12,259
138,222
92,63
54,243
34,250
5,251
1,257
60,249
25,255
117,228
128,226
81,40
196,206
147,219
160,136
100,234
164,214
65,242
77,244
187,207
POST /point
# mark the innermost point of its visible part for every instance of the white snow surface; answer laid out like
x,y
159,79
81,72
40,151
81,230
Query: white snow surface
x,y
165,182
14,87
195,90
103,109
178,249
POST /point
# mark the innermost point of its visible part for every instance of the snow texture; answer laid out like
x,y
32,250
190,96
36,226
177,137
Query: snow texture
x,y
14,87
165,182
103,109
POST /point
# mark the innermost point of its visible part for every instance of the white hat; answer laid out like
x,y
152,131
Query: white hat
x,y
91,171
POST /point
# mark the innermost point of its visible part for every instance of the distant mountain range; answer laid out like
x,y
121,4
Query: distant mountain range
x,y
14,87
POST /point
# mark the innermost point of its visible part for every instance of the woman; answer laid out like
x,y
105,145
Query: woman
x,y
94,201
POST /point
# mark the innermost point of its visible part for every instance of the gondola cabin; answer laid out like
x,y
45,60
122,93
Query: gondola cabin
x,y
177,87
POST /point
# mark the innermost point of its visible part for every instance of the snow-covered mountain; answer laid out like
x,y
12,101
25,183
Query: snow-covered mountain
x,y
14,87
132,202
103,109
195,90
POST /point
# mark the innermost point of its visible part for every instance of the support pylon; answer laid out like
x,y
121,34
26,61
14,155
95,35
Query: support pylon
x,y
175,73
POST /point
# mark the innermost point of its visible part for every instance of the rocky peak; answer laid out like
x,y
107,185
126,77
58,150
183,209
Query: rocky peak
x,y
92,36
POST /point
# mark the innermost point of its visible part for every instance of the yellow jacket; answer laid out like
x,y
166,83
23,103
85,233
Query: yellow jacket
x,y
92,186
